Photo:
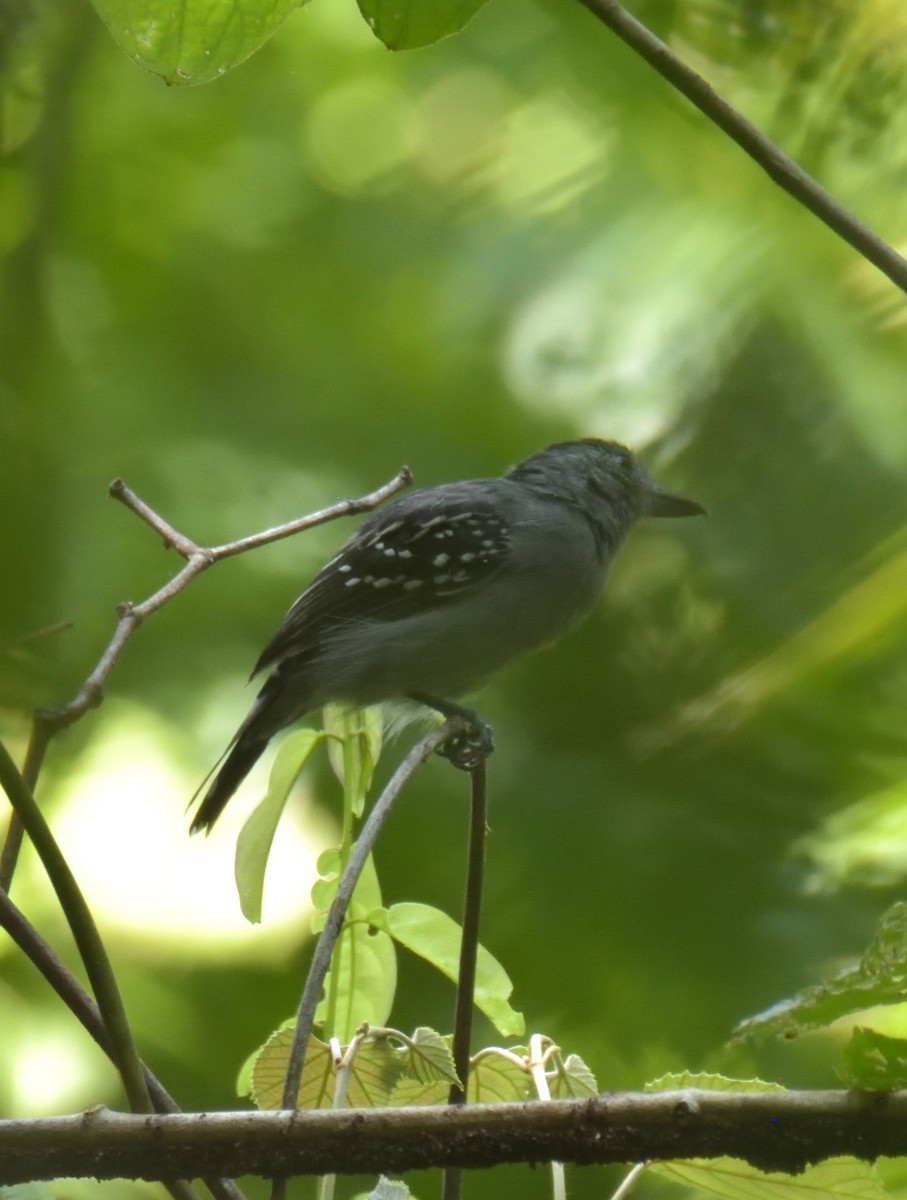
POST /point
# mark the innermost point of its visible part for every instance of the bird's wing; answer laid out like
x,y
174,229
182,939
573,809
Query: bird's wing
x,y
404,560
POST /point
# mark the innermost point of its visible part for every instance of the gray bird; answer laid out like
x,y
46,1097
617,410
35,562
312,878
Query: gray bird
x,y
444,586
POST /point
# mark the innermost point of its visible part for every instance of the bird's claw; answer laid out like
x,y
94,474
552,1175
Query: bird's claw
x,y
467,750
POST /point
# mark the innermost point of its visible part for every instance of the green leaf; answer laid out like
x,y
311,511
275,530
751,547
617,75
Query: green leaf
x,y
408,24
354,748
253,845
493,1079
571,1079
880,978
316,1088
428,1058
873,1061
674,1081
374,1073
497,1079
737,1180
434,936
195,41
362,979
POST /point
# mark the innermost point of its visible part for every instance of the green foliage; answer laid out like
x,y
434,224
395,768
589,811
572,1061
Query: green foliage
x,y
736,1180
436,937
204,43
408,24
873,1061
879,978
257,835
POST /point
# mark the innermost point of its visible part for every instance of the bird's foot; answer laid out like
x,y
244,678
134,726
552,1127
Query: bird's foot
x,y
464,750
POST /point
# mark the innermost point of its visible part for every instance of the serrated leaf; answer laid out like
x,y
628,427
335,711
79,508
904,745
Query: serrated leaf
x,y
428,1058
434,936
880,978
709,1082
408,24
410,1093
253,846
195,42
873,1062
373,1075
571,1079
737,1180
354,748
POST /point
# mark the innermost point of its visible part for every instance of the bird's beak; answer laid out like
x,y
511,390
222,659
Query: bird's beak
x,y
666,504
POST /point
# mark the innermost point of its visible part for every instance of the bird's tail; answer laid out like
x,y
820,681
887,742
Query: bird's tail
x,y
242,756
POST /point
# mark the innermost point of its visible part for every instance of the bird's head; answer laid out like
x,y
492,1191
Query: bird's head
x,y
605,479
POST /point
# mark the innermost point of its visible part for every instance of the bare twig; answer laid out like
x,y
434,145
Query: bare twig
x,y
469,949
198,559
761,149
49,721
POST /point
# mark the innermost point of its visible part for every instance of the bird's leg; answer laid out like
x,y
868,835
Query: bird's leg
x,y
465,750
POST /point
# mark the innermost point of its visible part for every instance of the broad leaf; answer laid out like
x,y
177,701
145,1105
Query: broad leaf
x,y
880,978
360,986
408,24
734,1179
257,835
374,1072
428,1059
434,936
195,41
571,1079
353,748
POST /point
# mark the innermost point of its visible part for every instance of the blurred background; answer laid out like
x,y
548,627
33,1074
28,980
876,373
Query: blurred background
x,y
253,298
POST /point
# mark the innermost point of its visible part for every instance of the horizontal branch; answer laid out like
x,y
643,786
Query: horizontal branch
x,y
778,1131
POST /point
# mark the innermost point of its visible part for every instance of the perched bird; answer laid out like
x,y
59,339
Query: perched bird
x,y
443,586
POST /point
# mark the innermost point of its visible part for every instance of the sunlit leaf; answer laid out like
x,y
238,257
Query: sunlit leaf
x,y
354,748
880,978
434,936
255,838
428,1058
737,1180
873,1061
196,43
497,1079
863,843
316,1089
408,24
571,1079
361,983
709,1081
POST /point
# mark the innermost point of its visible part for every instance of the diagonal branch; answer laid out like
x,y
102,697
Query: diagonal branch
x,y
761,149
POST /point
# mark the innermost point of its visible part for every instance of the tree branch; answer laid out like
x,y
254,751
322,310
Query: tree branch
x,y
761,149
776,1131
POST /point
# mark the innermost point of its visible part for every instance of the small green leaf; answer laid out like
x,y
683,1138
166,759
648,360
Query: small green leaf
x,y
408,24
845,1178
497,1079
428,1059
434,936
316,1089
874,1062
675,1081
196,41
253,845
362,981
880,978
571,1079
353,748
375,1070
